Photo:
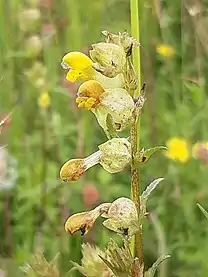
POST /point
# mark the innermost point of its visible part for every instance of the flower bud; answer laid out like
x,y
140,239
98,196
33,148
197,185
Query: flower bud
x,y
33,46
109,58
115,154
29,19
122,217
44,100
37,75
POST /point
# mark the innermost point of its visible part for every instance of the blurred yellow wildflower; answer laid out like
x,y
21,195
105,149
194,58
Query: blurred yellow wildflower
x,y
177,149
44,100
165,50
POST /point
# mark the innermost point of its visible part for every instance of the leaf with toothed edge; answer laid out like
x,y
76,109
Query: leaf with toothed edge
x,y
145,155
119,260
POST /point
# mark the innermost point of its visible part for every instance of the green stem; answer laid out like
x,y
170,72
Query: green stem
x,y
135,132
135,33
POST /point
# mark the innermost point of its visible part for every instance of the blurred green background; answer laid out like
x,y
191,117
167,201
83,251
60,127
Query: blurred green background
x,y
45,128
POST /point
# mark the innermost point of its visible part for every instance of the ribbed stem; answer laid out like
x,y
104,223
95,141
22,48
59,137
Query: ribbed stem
x,y
135,132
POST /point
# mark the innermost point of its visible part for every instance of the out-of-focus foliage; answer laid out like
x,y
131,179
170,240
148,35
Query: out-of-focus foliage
x,y
45,130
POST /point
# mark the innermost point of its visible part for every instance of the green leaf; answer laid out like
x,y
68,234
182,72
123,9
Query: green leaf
x,y
150,188
152,270
146,193
205,213
145,155
197,93
111,127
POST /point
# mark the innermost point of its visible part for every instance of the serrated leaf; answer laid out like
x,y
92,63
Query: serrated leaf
x,y
152,270
145,155
91,264
116,274
205,213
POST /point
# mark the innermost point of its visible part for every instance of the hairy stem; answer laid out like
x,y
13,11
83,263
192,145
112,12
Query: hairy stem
x,y
135,131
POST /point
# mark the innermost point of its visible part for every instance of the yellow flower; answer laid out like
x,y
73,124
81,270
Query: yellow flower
x,y
116,102
165,50
79,66
44,100
177,149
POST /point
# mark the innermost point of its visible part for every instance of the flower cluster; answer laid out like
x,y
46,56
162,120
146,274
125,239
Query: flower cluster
x,y
104,79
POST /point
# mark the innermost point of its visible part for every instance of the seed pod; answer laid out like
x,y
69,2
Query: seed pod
x,y
122,217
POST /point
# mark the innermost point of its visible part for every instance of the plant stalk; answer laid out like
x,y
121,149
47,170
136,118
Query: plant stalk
x,y
135,133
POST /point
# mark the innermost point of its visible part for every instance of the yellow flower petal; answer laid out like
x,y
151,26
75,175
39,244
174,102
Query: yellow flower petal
x,y
77,60
72,170
165,50
73,75
84,221
178,149
80,222
91,89
89,93
85,102
79,65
